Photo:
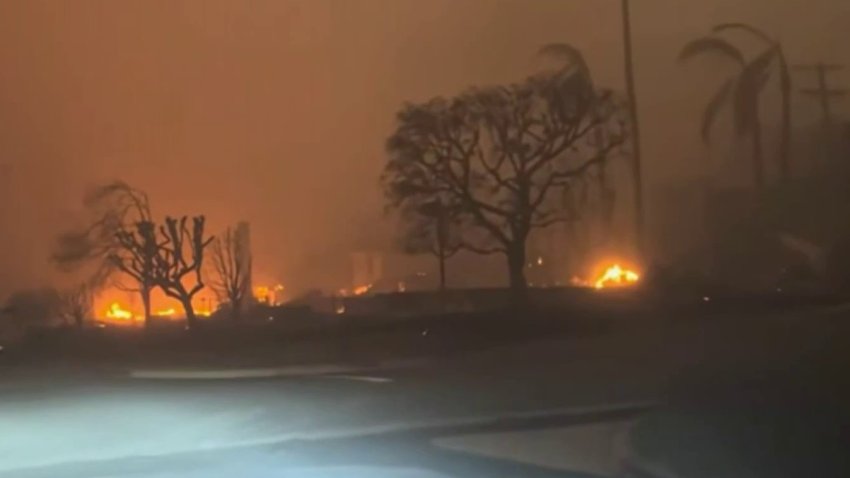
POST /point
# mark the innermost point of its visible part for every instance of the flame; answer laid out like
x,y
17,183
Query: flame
x,y
360,290
616,276
269,295
115,311
262,294
166,312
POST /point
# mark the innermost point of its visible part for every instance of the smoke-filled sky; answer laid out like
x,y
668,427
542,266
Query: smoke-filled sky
x,y
276,111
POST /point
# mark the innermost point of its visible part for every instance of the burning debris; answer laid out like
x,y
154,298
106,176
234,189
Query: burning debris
x,y
118,313
612,276
616,276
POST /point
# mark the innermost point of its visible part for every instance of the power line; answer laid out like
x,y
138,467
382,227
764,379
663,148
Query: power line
x,y
823,93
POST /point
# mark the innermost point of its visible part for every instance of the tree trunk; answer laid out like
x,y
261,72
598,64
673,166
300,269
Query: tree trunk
x,y
785,134
516,267
441,247
235,309
758,157
191,318
146,302
442,259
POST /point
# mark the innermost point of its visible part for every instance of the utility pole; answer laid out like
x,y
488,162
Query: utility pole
x,y
823,92
637,178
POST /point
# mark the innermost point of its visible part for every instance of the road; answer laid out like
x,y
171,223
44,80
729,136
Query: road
x,y
346,424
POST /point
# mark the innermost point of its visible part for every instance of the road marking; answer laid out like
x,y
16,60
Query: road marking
x,y
229,374
271,372
361,378
216,441
431,424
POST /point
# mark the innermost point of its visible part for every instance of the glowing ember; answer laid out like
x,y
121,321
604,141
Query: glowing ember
x,y
269,295
360,290
115,311
616,276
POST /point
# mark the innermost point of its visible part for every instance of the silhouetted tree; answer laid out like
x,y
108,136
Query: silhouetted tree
x,y
777,53
574,58
180,255
117,211
134,254
743,91
231,260
503,154
77,304
433,228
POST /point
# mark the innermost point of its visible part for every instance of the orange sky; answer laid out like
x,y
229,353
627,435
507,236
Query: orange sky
x,y
276,111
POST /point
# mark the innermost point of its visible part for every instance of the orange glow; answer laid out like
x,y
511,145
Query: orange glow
x,y
579,282
616,276
269,295
118,313
262,294
170,312
360,290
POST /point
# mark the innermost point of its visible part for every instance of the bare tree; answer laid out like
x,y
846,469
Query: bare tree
x,y
76,304
433,228
134,254
504,154
231,259
180,255
112,240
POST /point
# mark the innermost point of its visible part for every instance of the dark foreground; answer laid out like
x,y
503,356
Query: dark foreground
x,y
561,406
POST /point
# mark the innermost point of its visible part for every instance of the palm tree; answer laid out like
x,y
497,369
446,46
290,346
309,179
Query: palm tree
x,y
778,54
742,90
574,58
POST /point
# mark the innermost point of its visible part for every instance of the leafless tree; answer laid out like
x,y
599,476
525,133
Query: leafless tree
x,y
433,228
180,256
231,261
134,254
505,155
76,304
106,244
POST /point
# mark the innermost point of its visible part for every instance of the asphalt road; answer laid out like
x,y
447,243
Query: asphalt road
x,y
380,422
51,422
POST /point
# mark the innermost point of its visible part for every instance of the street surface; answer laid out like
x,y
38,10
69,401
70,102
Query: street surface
x,y
426,419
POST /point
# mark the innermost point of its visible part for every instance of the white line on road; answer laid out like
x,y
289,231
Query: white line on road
x,y
229,374
361,378
431,424
270,372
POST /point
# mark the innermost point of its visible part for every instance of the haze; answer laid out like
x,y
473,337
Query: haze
x,y
276,112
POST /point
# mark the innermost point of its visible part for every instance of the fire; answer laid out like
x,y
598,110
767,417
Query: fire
x,y
616,276
269,295
170,312
360,290
115,311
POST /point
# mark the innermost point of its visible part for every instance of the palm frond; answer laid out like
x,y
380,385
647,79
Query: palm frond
x,y
711,44
757,71
721,97
745,27
746,103
570,55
